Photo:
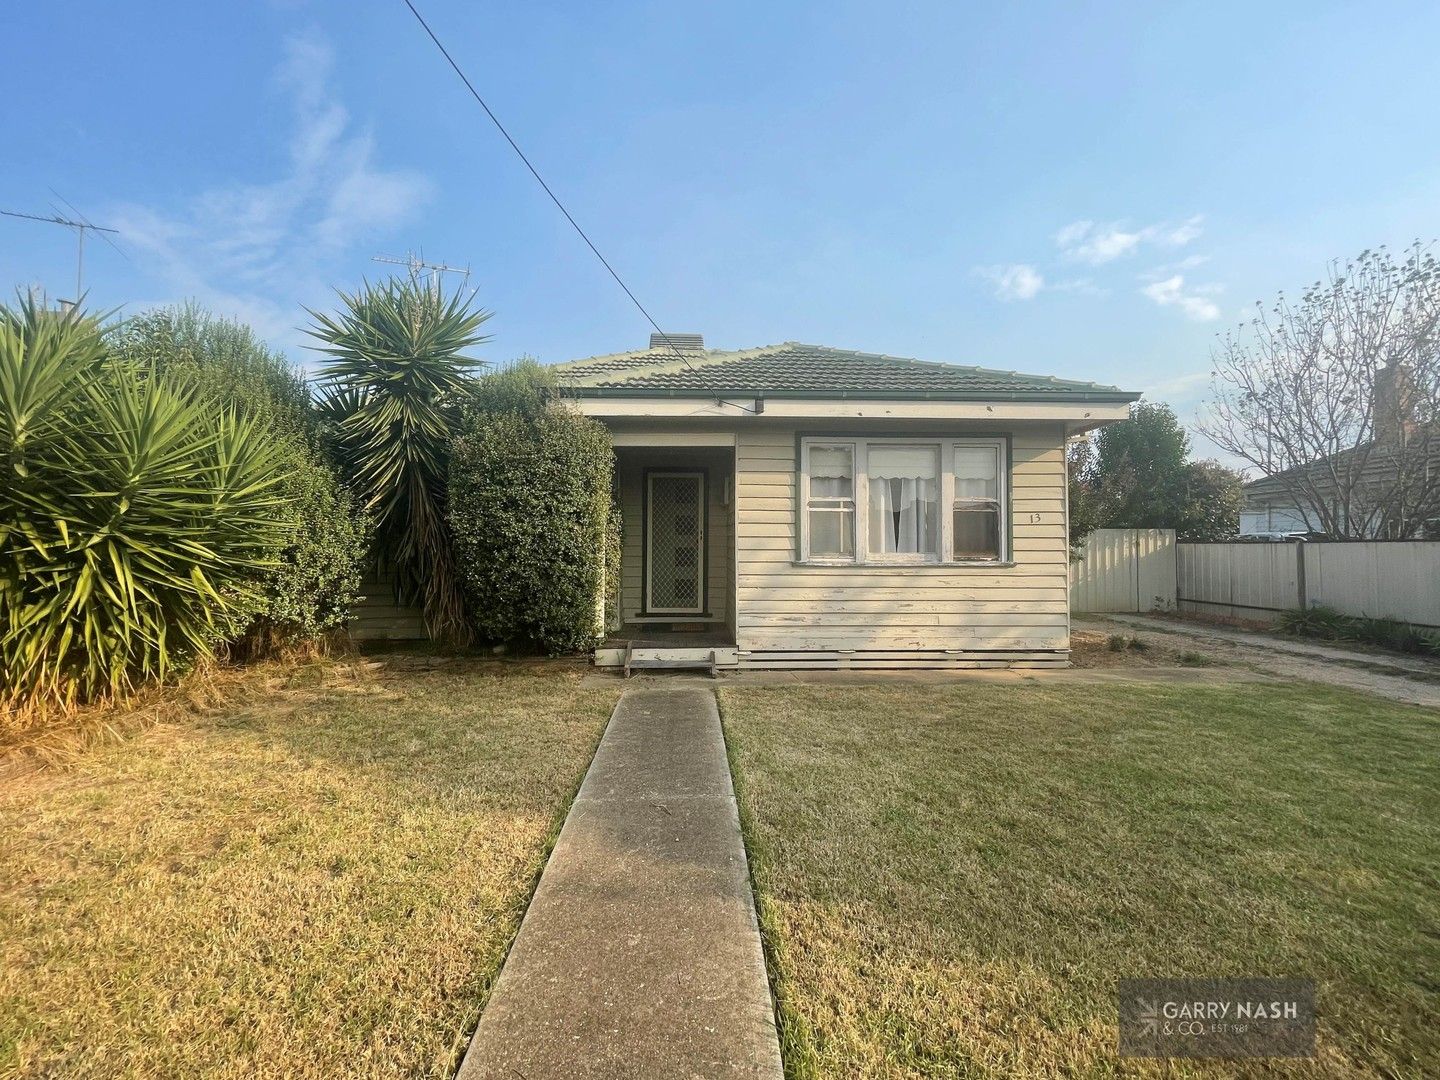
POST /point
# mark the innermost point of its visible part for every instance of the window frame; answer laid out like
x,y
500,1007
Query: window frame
x,y
803,525
1002,501
859,447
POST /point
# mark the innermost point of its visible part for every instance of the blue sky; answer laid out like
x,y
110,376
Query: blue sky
x,y
1091,194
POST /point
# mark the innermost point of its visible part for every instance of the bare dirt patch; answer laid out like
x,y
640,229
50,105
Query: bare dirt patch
x,y
1122,648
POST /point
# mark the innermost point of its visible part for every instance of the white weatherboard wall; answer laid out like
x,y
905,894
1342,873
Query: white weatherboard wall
x,y
875,614
1124,570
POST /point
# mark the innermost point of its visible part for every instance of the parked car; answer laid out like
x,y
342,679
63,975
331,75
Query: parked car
x,y
1276,537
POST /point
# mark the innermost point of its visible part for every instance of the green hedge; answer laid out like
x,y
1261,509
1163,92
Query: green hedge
x,y
530,511
316,580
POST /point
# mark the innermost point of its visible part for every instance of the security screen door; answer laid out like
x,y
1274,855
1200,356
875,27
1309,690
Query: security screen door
x,y
675,543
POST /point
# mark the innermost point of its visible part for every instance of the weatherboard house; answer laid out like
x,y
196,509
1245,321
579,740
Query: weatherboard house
x,y
798,506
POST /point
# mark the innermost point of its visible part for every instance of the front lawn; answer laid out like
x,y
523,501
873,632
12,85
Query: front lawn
x,y
320,883
951,878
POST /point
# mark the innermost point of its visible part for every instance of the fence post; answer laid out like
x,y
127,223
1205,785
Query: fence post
x,y
1300,574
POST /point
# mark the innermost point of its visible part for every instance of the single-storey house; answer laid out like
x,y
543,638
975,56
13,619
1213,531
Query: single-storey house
x,y
798,506
1382,487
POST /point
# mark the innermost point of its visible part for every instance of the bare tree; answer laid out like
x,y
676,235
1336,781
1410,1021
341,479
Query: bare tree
x,y
1336,398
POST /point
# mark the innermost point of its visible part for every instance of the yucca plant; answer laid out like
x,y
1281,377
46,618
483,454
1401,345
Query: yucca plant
x,y
135,521
395,376
316,585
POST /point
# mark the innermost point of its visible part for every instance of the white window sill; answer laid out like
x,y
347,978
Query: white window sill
x,y
971,564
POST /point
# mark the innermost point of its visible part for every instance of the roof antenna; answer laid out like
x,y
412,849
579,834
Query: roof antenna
x,y
80,228
417,265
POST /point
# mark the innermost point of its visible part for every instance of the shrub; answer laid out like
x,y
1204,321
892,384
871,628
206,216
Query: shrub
x,y
316,582
136,521
530,510
1328,624
1317,622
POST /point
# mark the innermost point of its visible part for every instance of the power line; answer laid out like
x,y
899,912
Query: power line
x,y
554,198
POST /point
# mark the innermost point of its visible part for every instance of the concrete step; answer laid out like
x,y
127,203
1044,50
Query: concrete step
x,y
656,656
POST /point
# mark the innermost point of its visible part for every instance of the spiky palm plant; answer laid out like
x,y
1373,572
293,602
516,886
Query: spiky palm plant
x,y
135,521
394,375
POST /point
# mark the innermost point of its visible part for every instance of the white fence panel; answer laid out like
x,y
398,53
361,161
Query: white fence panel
x,y
1399,578
1124,570
1245,580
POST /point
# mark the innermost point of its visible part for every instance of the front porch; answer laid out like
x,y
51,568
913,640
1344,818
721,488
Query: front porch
x,y
677,558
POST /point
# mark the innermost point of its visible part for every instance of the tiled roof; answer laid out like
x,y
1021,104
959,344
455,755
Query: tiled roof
x,y
793,369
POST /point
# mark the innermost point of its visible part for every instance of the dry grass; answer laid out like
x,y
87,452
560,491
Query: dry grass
x,y
42,735
321,881
952,878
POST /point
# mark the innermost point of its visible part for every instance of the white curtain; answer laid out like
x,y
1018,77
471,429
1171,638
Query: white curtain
x,y
903,513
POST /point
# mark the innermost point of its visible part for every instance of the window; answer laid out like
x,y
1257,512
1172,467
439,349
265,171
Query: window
x,y
976,526
830,506
903,500
903,492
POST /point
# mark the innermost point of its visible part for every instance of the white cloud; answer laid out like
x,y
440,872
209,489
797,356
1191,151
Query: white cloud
x,y
1182,234
1195,302
257,251
1097,244
1084,241
1018,281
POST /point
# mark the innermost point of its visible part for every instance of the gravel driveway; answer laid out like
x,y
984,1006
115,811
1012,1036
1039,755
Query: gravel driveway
x,y
1399,678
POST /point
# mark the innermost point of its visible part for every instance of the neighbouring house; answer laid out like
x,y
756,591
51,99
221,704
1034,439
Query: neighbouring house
x,y
1385,487
798,506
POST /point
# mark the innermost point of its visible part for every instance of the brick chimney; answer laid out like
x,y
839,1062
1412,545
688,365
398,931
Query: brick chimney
x,y
1392,408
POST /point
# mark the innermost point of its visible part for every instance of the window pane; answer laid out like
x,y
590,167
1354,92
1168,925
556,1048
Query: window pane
x,y
904,494
832,472
977,472
832,534
977,534
830,521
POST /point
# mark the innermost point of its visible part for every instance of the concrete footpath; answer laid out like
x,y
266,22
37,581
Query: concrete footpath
x,y
639,955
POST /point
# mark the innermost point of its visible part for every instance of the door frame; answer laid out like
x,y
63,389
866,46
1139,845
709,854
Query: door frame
x,y
702,562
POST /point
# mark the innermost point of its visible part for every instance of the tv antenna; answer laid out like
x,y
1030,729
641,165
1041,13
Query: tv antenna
x,y
417,266
80,227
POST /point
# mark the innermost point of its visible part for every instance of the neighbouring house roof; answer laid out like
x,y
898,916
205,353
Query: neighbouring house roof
x,y
792,369
1378,462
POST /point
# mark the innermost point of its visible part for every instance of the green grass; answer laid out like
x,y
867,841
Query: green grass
x,y
952,878
319,883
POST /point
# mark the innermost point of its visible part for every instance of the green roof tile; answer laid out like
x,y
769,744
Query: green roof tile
x,y
793,369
